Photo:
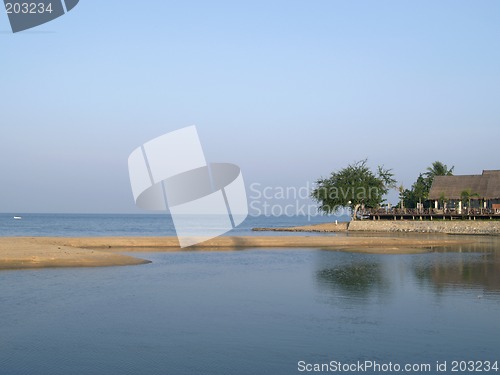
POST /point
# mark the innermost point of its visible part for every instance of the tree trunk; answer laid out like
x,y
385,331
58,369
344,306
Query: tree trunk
x,y
355,211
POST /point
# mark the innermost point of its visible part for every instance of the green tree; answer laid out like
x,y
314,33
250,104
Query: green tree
x,y
437,169
407,196
417,194
353,186
444,200
403,197
421,189
466,196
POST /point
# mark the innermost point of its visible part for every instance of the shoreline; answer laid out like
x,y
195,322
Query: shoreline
x,y
44,252
31,252
465,227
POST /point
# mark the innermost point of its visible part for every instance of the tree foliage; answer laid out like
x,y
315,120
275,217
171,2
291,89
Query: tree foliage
x,y
419,191
466,196
353,186
438,169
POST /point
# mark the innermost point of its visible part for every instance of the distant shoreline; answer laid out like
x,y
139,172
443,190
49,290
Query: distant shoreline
x,y
43,252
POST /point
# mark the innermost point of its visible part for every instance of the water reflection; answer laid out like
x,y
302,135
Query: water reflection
x,y
471,265
478,268
248,312
352,275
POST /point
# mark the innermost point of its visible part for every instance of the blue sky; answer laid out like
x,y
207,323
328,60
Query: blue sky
x,y
288,90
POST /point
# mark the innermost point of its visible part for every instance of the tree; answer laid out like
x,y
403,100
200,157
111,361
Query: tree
x,y
407,198
419,191
417,194
353,186
444,200
403,196
466,197
437,169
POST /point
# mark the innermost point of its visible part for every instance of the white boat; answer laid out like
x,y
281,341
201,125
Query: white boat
x,y
18,217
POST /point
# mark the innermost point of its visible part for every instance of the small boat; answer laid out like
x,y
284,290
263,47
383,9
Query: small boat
x,y
18,217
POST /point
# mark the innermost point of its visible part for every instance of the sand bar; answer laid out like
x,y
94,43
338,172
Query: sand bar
x,y
39,252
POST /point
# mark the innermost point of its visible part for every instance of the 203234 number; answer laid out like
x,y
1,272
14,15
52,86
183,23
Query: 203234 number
x,y
28,8
474,366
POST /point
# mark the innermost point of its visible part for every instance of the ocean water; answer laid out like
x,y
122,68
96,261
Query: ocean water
x,y
251,311
88,225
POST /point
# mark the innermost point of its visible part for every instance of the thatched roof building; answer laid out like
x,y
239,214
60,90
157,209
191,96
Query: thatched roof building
x,y
486,186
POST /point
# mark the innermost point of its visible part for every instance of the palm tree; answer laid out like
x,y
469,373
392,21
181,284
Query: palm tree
x,y
466,196
438,169
444,201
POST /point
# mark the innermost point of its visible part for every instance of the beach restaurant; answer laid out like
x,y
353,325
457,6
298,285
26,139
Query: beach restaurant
x,y
468,193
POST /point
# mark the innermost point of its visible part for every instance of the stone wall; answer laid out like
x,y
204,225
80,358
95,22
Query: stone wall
x,y
436,226
326,227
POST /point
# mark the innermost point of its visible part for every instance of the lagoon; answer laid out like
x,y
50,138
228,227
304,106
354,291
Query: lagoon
x,y
253,311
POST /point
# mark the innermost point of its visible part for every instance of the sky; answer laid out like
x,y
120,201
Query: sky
x,y
288,90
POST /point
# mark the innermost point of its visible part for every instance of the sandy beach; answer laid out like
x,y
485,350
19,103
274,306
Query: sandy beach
x,y
40,252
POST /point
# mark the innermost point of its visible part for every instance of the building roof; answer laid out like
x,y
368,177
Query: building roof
x,y
486,185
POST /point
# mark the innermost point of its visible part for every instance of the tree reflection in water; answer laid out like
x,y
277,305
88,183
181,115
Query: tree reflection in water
x,y
353,275
473,265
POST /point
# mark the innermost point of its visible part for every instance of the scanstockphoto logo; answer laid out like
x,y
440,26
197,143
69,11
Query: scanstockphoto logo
x,y
25,14
170,173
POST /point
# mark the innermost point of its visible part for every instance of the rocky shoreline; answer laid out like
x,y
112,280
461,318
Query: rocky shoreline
x,y
441,226
322,228
405,226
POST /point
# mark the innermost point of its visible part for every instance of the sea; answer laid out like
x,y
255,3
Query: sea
x,y
249,311
91,225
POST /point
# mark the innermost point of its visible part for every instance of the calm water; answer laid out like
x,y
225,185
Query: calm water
x,y
251,312
244,312
73,225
